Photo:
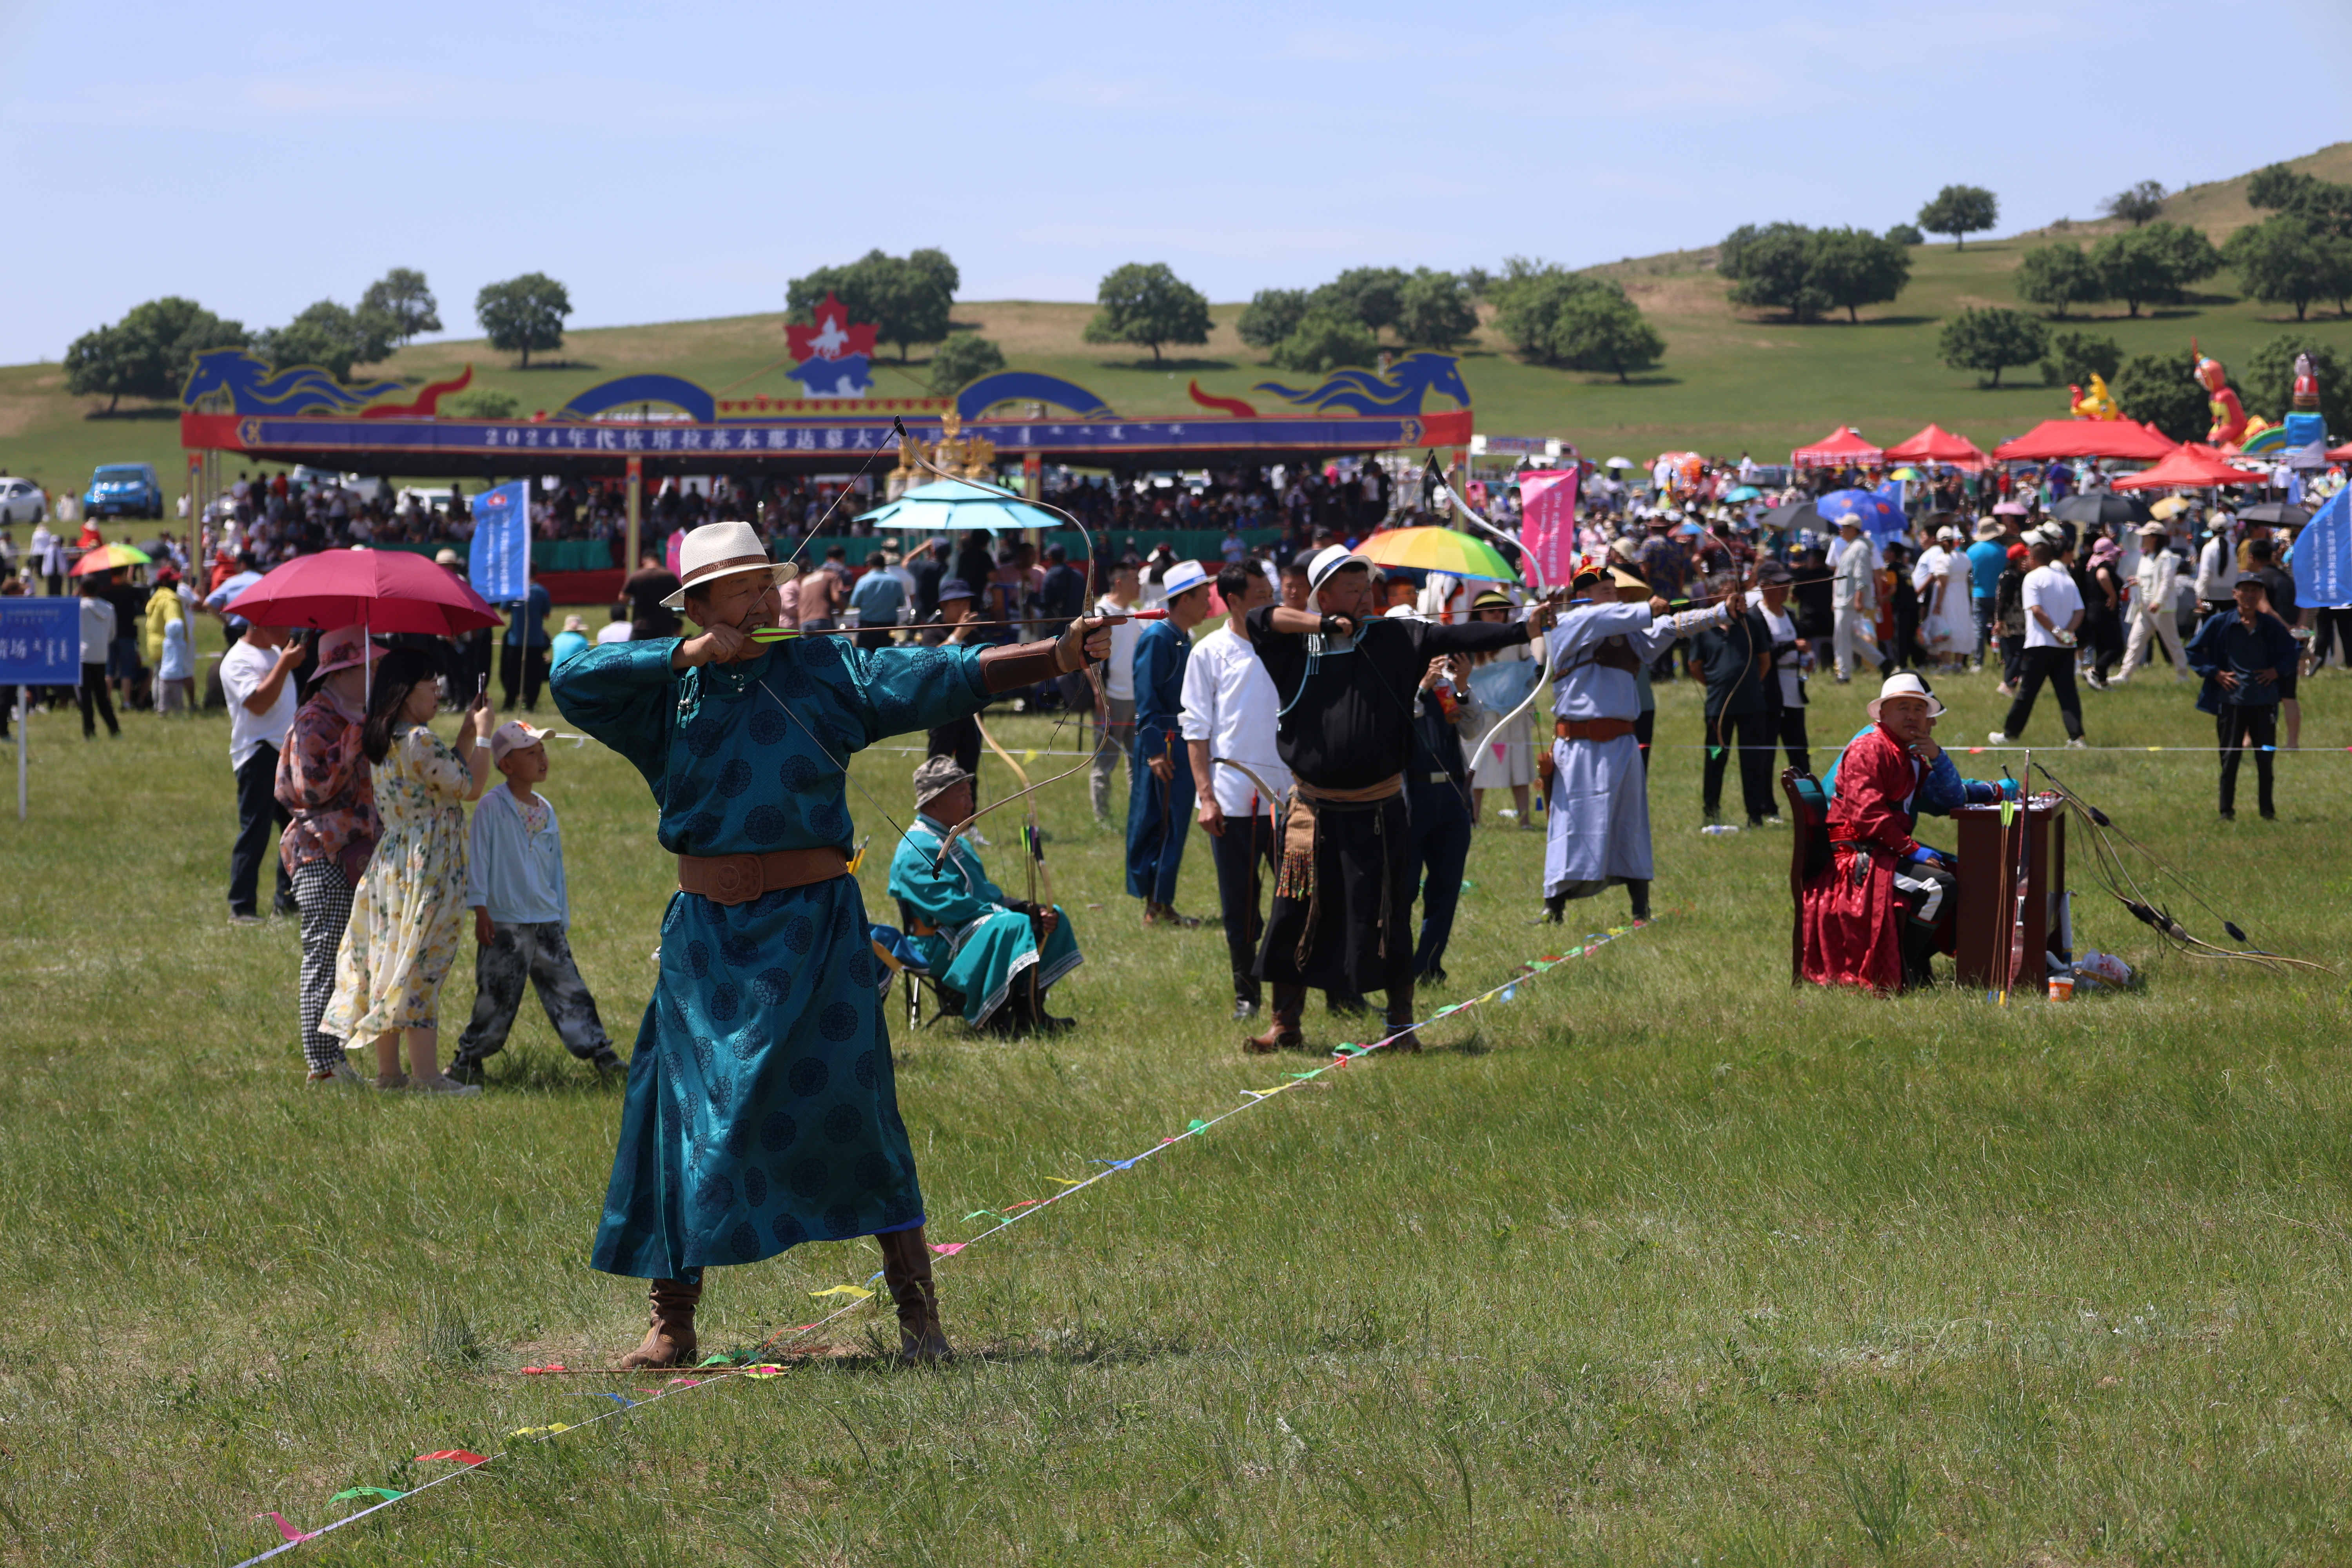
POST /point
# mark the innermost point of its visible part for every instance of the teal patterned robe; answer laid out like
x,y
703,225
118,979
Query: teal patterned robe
x,y
978,947
761,1110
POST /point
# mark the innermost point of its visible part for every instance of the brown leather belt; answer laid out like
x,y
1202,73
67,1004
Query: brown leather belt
x,y
1591,729
740,879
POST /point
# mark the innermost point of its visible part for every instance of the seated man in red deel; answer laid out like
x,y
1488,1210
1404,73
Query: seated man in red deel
x,y
1887,902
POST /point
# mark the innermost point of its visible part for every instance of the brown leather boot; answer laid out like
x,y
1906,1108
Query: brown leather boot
x,y
670,1339
1289,1002
1401,1018
906,1275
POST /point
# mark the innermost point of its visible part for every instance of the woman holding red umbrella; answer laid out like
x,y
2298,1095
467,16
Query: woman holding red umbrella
x,y
406,911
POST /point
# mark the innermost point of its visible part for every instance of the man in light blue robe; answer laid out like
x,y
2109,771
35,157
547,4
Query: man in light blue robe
x,y
760,1110
979,943
1598,825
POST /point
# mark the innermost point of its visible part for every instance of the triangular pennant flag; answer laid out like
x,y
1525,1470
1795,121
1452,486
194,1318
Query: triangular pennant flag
x,y
854,1292
387,1493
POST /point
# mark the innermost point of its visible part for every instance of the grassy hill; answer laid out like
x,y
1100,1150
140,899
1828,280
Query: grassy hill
x,y
1732,380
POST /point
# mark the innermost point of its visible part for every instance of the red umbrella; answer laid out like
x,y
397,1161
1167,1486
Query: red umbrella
x,y
2084,439
2185,469
382,590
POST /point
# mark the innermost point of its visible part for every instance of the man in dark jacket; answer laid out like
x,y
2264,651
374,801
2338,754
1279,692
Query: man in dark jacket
x,y
1437,803
2245,658
1734,659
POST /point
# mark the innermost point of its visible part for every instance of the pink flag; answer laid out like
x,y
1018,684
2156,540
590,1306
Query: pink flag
x,y
1547,526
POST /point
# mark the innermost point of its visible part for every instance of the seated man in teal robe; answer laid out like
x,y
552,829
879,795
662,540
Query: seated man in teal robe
x,y
761,1110
999,954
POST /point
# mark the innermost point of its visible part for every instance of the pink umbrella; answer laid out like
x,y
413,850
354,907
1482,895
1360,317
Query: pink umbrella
x,y
382,590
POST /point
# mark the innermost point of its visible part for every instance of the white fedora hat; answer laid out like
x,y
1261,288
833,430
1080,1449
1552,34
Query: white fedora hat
x,y
718,550
1905,684
1329,560
1183,578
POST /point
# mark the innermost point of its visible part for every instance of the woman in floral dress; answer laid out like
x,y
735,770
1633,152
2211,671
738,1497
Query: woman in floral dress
x,y
406,912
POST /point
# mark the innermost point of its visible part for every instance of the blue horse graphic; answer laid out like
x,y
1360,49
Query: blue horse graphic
x,y
1399,391
302,389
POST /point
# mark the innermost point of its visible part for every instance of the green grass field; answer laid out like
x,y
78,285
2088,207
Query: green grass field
x,y
1731,381
1663,1260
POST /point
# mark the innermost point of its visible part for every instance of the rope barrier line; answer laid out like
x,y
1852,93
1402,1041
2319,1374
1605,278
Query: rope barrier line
x,y
1344,1055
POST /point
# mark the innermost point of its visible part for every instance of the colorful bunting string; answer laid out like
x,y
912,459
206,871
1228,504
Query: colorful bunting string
x,y
855,1296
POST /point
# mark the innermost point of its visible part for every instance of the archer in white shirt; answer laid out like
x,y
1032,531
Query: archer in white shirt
x,y
1231,712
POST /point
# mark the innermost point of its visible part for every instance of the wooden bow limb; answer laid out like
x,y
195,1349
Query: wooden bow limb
x,y
1039,877
1265,792
1501,726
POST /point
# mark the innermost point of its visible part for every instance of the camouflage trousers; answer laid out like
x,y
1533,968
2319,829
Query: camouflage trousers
x,y
540,954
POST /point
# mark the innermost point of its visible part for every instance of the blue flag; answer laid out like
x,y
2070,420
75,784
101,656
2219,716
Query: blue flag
x,y
2323,555
499,565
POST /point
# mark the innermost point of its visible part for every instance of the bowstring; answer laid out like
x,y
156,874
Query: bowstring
x,y
912,452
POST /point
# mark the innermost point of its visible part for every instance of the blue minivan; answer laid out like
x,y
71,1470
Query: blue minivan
x,y
124,489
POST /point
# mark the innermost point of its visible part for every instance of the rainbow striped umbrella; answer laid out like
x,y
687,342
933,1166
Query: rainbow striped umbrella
x,y
109,558
1438,549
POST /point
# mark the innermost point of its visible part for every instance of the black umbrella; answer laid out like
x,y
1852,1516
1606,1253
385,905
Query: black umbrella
x,y
2276,514
1797,514
2106,509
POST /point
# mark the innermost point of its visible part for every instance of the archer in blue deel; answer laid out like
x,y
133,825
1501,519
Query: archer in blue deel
x,y
761,1111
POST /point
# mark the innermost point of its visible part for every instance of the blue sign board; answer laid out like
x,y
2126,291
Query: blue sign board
x,y
40,642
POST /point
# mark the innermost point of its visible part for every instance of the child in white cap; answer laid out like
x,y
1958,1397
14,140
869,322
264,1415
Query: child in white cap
x,y
514,881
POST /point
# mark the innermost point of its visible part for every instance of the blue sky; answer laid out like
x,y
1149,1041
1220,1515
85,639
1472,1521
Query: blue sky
x,y
670,161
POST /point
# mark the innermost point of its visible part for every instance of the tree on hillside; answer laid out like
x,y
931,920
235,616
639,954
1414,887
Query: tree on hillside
x,y
1272,315
2161,390
909,298
2326,205
485,402
1373,295
1771,268
1960,211
2075,357
2057,276
401,295
1805,271
1904,234
523,313
329,335
1436,311
1990,340
2268,380
1600,328
1854,267
962,358
149,353
2137,205
2284,261
1325,339
1529,298
1147,304
2155,264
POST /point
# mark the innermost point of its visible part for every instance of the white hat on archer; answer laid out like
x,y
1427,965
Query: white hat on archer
x,y
1329,560
718,550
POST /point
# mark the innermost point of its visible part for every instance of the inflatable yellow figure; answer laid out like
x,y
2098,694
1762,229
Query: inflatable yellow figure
x,y
2100,404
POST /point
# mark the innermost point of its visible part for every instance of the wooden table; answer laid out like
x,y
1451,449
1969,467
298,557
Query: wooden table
x,y
1988,890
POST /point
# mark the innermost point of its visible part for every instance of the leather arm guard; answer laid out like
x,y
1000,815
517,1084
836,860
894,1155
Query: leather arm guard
x,y
1014,665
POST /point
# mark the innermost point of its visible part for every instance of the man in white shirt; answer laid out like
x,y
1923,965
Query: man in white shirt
x,y
1230,713
1115,730
2054,614
48,559
1856,619
96,637
258,678
2217,569
2154,587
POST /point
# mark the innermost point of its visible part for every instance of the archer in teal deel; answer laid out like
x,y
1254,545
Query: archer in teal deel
x,y
980,944
761,1110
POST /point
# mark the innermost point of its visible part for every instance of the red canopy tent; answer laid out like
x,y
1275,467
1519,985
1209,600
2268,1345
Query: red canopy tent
x,y
1936,445
1834,451
2185,469
2084,439
2340,454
